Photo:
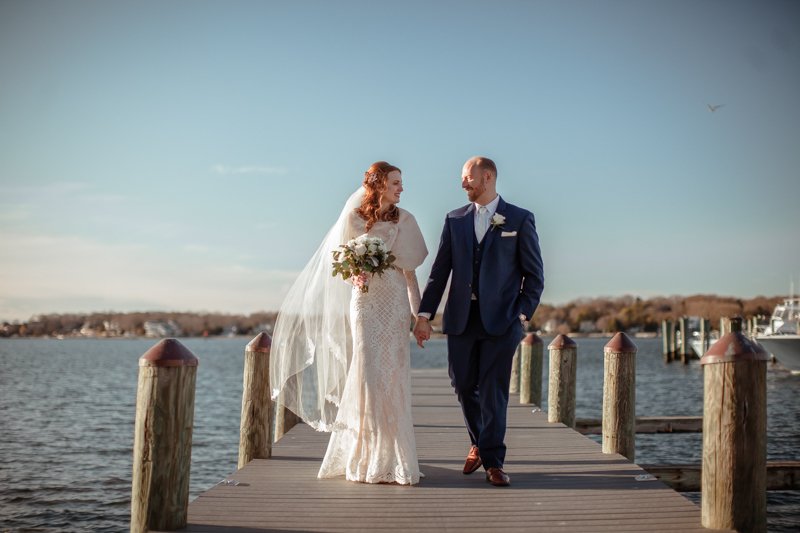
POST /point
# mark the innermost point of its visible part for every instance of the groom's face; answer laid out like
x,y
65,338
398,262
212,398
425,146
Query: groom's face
x,y
473,180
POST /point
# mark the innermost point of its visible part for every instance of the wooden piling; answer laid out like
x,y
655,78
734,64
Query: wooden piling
x,y
735,433
515,363
256,429
619,396
285,420
162,450
673,341
666,329
724,326
704,331
686,347
531,357
562,383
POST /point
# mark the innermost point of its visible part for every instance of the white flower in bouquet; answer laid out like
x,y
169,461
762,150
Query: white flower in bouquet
x,y
360,259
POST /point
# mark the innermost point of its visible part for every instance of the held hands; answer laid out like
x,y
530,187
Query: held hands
x,y
422,330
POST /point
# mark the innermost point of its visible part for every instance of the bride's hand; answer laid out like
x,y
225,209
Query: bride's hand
x,y
360,281
422,331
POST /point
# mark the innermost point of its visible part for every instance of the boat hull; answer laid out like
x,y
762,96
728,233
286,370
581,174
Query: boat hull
x,y
785,348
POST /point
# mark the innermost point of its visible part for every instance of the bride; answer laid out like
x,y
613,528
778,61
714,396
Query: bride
x,y
341,357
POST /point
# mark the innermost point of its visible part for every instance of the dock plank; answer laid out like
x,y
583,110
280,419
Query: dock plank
x,y
561,481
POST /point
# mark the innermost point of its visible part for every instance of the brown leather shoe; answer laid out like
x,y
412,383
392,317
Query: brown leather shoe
x,y
473,460
497,477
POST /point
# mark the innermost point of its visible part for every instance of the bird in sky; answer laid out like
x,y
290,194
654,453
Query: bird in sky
x,y
713,108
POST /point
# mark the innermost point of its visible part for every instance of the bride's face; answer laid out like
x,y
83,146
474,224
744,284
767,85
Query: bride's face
x,y
394,186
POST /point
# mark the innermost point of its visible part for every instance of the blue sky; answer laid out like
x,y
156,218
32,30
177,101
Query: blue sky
x,y
190,155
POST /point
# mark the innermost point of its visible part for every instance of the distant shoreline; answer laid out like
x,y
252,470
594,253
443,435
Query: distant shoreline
x,y
582,317
639,335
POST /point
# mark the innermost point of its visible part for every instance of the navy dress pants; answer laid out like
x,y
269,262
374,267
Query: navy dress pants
x,y
479,365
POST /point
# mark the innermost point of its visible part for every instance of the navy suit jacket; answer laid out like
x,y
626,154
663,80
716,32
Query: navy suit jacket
x,y
511,277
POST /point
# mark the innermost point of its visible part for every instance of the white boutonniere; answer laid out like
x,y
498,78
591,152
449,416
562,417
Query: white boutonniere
x,y
497,220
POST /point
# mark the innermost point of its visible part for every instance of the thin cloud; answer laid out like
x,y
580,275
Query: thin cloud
x,y
225,170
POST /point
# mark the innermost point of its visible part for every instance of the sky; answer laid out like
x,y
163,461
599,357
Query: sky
x,y
190,156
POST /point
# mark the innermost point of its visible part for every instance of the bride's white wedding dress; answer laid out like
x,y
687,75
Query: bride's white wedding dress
x,y
372,438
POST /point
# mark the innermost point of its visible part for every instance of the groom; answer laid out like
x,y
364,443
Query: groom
x,y
492,251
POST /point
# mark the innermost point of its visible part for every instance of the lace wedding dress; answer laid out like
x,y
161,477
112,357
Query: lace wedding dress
x,y
372,438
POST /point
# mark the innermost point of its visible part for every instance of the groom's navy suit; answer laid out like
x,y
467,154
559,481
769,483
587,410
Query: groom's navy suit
x,y
493,282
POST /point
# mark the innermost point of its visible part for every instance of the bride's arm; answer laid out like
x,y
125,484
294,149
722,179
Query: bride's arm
x,y
413,290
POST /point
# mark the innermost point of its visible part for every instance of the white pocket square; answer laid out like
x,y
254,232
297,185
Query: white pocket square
x,y
508,234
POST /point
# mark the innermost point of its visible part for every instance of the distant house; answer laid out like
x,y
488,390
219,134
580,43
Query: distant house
x,y
112,328
88,330
162,328
551,326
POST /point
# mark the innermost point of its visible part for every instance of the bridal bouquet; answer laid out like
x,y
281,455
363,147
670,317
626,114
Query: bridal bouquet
x,y
361,257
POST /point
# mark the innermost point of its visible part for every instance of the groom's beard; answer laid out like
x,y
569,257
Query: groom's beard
x,y
473,193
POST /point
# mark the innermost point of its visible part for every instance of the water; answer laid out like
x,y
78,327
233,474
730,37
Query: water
x,y
67,414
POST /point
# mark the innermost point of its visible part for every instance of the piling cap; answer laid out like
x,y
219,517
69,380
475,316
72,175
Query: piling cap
x,y
260,343
562,342
532,338
734,347
620,343
168,352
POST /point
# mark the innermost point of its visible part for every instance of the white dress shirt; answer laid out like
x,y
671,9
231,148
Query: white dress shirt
x,y
491,209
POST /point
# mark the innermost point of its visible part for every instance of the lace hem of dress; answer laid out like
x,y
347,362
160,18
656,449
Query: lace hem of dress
x,y
387,477
370,465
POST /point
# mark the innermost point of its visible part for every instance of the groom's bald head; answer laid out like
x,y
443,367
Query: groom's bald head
x,y
484,164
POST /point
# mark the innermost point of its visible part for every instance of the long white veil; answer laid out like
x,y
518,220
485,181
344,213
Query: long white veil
x,y
312,342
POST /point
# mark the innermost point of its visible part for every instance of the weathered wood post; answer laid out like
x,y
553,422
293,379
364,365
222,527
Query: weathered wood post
x,y
734,474
752,326
704,323
666,328
285,420
562,383
255,431
531,357
162,448
686,347
515,363
619,396
724,326
673,341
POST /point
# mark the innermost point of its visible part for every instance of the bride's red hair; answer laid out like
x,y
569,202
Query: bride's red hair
x,y
375,186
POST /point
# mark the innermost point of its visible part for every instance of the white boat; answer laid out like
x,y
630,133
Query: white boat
x,y
696,341
699,345
782,336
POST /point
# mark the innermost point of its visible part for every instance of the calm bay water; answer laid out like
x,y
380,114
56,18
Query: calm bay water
x,y
67,413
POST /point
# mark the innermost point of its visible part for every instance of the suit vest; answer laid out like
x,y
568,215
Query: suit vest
x,y
477,258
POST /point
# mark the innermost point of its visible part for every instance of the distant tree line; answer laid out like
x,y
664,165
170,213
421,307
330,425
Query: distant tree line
x,y
630,313
607,315
111,324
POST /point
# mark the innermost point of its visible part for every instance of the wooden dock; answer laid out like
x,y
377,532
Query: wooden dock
x,y
560,481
